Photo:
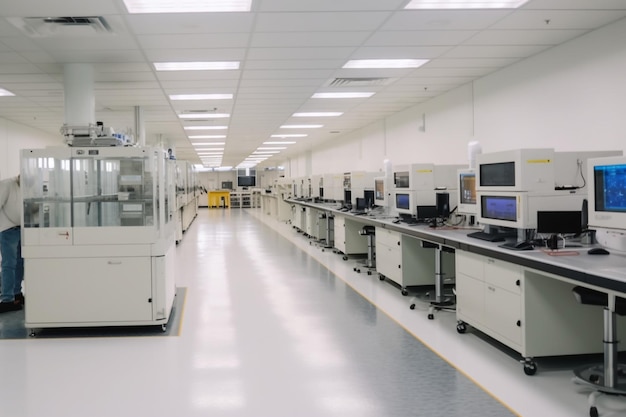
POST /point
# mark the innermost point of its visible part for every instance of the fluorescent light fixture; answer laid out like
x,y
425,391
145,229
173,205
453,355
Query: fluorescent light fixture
x,y
342,95
210,153
319,114
6,93
196,66
278,143
204,150
264,152
187,6
385,63
205,127
204,115
201,97
290,135
301,126
271,148
209,143
207,137
465,4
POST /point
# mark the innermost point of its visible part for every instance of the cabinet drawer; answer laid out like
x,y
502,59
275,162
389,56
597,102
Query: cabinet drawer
x,y
387,237
504,275
470,264
389,254
503,315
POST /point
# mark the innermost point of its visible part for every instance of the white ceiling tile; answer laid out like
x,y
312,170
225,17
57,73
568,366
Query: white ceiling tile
x,y
180,23
444,19
329,5
308,39
495,51
471,63
577,4
300,53
559,19
524,37
391,52
194,40
278,74
320,22
291,64
414,38
58,8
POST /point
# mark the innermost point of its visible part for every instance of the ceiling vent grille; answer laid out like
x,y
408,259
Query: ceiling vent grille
x,y
359,82
63,26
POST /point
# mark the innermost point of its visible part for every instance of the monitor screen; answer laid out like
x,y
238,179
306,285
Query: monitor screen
x,y
347,196
369,198
401,179
559,222
227,185
497,174
499,208
467,187
403,201
379,189
361,204
426,212
321,192
246,181
610,187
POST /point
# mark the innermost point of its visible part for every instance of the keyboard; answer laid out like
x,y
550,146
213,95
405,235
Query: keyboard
x,y
519,245
409,220
489,237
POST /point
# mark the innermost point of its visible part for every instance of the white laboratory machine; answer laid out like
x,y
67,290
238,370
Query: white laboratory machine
x,y
98,236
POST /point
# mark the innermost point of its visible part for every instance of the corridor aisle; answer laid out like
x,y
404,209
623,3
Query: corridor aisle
x,y
266,331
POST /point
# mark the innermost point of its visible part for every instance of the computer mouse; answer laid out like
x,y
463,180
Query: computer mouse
x,y
598,251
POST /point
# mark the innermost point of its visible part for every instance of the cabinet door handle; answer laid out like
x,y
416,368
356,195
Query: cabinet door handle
x,y
491,289
399,266
398,243
491,261
114,262
518,283
519,323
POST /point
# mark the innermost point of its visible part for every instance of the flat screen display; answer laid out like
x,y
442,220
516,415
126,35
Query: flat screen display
x,y
361,204
467,186
347,196
610,188
379,189
369,198
501,174
559,222
403,201
426,212
246,181
499,208
401,179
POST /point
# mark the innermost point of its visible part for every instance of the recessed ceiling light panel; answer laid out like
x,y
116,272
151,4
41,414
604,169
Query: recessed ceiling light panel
x,y
385,63
175,97
343,95
319,114
465,4
301,126
196,66
6,93
187,6
204,115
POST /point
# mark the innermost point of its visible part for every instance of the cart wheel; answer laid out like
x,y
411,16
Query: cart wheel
x,y
32,333
354,269
431,317
593,412
461,328
404,292
530,368
358,270
412,306
381,277
369,272
164,327
345,258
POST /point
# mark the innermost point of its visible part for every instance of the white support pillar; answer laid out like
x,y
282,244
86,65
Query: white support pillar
x,y
139,127
80,103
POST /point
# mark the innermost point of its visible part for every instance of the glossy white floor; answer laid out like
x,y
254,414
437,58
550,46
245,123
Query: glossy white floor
x,y
270,328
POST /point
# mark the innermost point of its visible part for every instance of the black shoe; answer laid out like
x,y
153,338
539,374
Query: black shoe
x,y
19,299
9,306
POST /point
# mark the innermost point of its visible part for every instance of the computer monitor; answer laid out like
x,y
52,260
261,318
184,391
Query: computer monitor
x,y
559,222
246,181
369,198
404,203
347,197
426,212
361,204
442,205
496,207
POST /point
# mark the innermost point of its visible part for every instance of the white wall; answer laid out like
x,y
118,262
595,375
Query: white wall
x,y
570,97
15,137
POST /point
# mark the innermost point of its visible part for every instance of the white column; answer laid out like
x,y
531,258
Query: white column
x,y
80,103
140,131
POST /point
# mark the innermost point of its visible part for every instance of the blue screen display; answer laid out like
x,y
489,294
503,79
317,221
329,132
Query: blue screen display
x,y
499,208
610,187
403,201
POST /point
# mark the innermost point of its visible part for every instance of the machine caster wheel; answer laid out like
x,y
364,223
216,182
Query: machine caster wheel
x,y
593,412
345,258
358,271
354,269
164,328
412,306
369,272
32,333
461,328
431,317
323,250
404,292
530,368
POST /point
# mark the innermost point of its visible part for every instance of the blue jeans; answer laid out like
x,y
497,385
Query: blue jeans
x,y
12,264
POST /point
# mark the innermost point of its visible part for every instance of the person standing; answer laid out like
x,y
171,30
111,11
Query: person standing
x,y
11,298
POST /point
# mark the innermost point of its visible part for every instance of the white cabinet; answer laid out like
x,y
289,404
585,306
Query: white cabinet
x,y
347,238
530,311
406,261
